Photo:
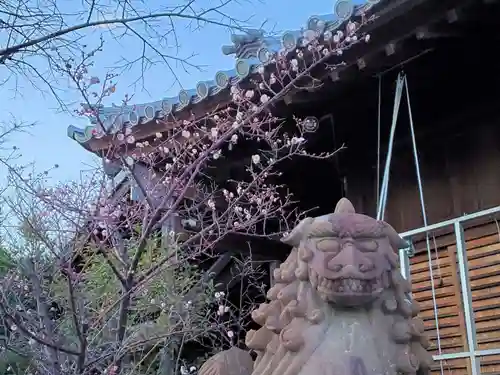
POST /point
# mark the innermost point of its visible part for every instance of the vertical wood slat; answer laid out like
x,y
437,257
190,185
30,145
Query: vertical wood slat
x,y
483,256
447,293
452,253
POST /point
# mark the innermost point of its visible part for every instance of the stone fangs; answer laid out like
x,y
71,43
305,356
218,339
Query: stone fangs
x,y
345,285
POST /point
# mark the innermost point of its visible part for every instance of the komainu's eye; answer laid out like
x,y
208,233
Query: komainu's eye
x,y
328,245
367,245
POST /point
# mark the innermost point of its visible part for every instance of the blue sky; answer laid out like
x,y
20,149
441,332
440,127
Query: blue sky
x,y
47,142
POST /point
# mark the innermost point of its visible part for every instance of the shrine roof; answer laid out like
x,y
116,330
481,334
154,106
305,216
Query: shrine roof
x,y
251,49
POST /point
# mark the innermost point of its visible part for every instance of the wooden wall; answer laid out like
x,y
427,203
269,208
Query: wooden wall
x,y
483,253
460,168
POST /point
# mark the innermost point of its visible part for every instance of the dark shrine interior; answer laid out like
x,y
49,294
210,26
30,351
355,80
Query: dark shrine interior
x,y
448,77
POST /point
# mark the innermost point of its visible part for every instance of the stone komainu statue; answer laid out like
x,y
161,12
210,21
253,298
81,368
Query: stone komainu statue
x,y
338,307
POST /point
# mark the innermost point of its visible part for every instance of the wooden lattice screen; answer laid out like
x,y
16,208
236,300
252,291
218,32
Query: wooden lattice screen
x,y
484,274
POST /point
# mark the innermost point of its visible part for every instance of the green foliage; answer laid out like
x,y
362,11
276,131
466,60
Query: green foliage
x,y
159,311
6,261
13,364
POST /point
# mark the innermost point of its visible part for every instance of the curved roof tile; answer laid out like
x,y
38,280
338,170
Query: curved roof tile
x,y
252,50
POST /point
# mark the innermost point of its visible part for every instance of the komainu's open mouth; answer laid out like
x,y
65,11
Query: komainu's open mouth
x,y
348,286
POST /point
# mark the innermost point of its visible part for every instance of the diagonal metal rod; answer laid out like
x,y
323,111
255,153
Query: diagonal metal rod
x,y
402,83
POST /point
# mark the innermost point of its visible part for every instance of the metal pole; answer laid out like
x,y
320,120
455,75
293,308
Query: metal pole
x,y
404,263
466,298
434,227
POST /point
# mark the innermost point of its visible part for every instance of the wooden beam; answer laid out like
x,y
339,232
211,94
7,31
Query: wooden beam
x,y
390,48
334,75
452,16
213,272
436,32
361,63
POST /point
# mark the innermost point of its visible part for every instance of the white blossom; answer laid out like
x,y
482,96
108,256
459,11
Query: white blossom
x,y
129,160
297,140
351,27
186,133
264,99
230,334
211,204
191,222
256,159
120,137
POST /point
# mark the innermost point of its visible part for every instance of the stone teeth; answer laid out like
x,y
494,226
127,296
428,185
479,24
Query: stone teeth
x,y
347,284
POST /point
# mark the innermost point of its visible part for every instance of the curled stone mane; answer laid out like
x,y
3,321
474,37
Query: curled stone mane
x,y
306,332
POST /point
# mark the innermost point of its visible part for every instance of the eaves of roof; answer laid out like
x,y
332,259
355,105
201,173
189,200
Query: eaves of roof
x,y
251,50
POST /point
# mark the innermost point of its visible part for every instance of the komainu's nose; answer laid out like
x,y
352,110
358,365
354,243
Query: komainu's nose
x,y
349,262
